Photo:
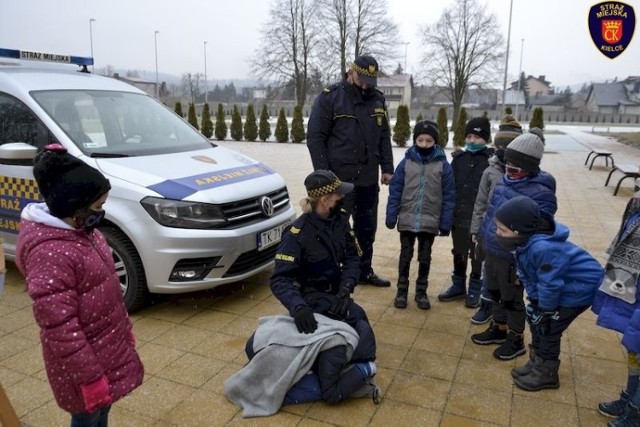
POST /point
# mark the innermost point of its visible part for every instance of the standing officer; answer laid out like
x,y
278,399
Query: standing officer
x,y
348,133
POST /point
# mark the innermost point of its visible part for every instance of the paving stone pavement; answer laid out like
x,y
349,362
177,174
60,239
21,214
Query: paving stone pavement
x,y
430,372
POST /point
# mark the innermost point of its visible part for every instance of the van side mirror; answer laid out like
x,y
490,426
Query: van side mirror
x,y
17,153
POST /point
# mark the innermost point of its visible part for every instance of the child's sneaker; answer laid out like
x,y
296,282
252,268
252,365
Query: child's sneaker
x,y
614,408
511,348
493,335
484,313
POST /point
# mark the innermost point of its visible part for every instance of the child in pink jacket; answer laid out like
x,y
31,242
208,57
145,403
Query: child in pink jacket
x,y
87,339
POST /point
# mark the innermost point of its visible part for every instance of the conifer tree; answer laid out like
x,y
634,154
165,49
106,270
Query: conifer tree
x,y
178,109
207,124
458,133
282,127
221,126
250,126
264,130
508,110
297,125
443,129
537,119
402,128
236,124
419,118
193,120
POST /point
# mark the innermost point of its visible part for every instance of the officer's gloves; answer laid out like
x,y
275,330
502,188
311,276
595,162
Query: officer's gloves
x,y
340,306
304,319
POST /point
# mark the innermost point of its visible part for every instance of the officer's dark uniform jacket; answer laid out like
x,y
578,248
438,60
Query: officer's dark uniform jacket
x,y
315,255
350,135
467,167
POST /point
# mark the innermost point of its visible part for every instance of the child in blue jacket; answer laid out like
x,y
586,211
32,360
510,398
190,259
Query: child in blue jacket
x,y
560,278
618,308
421,202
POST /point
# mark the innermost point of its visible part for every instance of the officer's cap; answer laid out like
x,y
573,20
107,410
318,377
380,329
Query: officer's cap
x,y
367,69
323,182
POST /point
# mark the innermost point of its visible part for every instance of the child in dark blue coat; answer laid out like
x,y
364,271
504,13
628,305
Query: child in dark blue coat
x,y
560,278
618,308
421,201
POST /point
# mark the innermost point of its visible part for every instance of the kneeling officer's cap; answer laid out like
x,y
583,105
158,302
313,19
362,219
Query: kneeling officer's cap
x,y
323,182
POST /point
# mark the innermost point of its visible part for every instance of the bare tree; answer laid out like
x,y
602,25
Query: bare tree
x,y
373,32
287,45
462,50
335,40
191,85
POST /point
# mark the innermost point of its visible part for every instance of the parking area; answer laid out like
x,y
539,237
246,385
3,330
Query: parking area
x,y
430,372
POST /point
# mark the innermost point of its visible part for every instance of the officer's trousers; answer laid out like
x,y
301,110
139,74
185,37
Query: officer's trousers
x,y
362,204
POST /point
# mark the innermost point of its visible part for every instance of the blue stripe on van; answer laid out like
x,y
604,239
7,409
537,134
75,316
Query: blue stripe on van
x,y
178,189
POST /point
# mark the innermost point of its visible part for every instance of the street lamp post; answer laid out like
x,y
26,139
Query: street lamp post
x,y
91,21
205,73
405,57
506,61
155,37
519,77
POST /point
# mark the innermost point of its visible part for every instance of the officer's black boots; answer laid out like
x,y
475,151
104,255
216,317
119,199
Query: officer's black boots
x,y
374,280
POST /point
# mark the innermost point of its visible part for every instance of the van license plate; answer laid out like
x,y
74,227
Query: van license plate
x,y
271,237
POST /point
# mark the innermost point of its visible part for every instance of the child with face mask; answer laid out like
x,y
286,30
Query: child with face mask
x,y
523,177
468,166
618,307
508,130
87,338
561,280
421,202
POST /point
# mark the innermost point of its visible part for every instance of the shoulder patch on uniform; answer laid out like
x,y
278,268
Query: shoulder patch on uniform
x,y
294,230
284,257
545,268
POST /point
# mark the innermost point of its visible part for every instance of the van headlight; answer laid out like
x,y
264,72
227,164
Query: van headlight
x,y
181,214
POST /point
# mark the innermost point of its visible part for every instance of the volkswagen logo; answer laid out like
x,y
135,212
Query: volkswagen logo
x,y
266,204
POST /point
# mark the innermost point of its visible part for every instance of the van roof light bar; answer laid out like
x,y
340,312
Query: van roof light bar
x,y
46,57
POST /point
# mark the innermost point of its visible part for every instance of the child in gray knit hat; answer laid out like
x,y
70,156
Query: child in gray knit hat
x,y
523,177
508,130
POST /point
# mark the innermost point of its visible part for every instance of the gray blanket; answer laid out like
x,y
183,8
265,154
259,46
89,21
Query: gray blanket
x,y
284,356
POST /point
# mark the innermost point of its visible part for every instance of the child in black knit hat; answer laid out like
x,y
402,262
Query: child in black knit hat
x,y
560,278
87,338
468,166
421,201
508,130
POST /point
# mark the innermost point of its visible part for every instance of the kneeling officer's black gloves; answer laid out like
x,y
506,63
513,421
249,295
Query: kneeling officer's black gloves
x,y
340,306
304,319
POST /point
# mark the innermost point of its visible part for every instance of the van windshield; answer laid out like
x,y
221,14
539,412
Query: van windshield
x,y
119,124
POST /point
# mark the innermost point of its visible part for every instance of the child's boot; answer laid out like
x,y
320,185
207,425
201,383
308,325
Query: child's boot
x,y
421,294
615,408
401,294
473,294
457,290
630,417
511,348
484,313
495,334
543,375
526,369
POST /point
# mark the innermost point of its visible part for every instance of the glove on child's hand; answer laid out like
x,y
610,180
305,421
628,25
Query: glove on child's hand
x,y
390,224
96,394
540,321
444,232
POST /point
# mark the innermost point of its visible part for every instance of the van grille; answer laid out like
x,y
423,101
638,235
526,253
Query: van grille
x,y
249,211
251,260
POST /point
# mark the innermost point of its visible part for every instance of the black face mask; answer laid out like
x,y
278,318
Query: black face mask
x,y
511,243
425,151
89,219
336,208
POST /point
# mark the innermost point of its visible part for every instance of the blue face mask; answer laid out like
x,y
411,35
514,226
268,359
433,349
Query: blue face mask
x,y
474,147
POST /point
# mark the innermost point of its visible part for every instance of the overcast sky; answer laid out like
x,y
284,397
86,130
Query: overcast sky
x,y
557,43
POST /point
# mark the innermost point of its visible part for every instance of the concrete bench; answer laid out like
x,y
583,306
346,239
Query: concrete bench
x,y
628,171
599,153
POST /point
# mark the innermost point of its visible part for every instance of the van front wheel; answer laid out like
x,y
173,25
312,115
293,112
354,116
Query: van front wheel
x,y
129,269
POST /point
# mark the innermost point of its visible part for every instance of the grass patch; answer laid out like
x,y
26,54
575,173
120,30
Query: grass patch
x,y
631,139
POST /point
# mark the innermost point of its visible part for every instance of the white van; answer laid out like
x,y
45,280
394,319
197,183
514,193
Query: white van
x,y
183,214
